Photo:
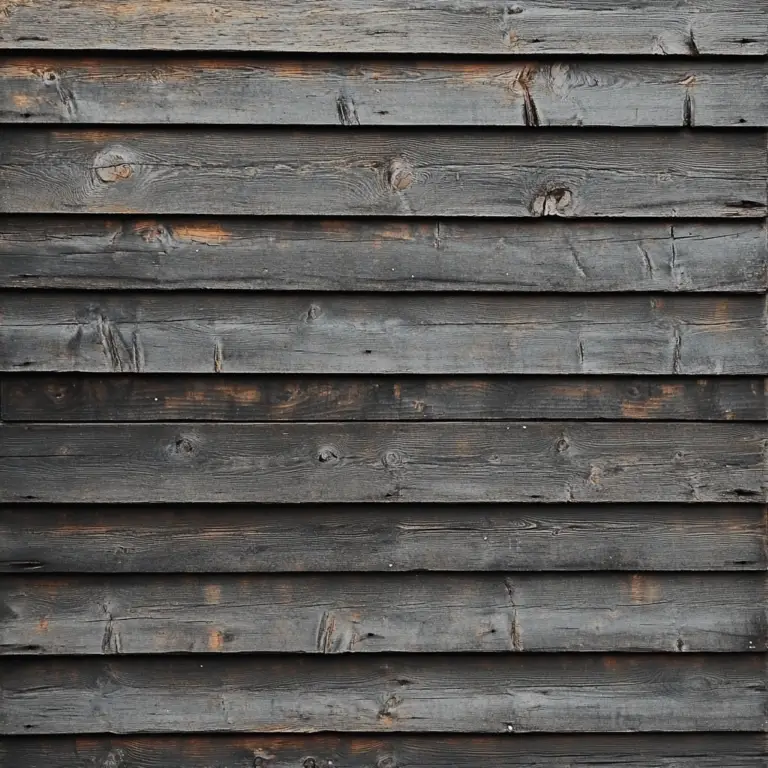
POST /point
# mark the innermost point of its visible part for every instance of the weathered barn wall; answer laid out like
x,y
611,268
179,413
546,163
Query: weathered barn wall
x,y
383,384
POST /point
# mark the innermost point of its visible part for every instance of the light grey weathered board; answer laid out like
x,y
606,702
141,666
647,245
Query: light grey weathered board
x,y
354,462
343,613
379,92
410,693
375,334
335,172
189,538
656,27
90,253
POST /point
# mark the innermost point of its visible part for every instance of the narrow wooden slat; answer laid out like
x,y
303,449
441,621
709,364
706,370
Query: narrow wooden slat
x,y
69,89
343,613
335,172
733,27
374,334
430,693
143,398
363,255
353,462
371,538
701,750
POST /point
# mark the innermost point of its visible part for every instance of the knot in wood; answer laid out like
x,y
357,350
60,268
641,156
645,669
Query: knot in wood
x,y
328,455
314,312
400,174
387,761
57,392
111,166
552,203
310,763
562,445
259,762
50,77
183,446
152,232
392,459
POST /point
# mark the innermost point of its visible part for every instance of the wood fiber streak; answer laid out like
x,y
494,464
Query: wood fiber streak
x,y
428,462
373,614
89,253
430,693
146,398
656,27
376,92
375,334
334,172
381,538
701,750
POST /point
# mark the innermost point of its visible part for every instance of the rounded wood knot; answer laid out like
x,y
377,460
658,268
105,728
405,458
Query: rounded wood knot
x,y
400,174
387,761
310,763
562,445
393,459
111,166
328,455
50,77
553,202
152,232
182,447
57,392
314,312
259,762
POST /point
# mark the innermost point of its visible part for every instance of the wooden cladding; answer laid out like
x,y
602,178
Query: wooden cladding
x,y
652,27
396,172
384,92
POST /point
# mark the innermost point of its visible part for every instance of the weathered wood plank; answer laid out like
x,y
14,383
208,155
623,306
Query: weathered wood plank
x,y
383,613
353,462
655,27
701,750
68,89
374,334
429,693
336,172
85,253
139,397
371,538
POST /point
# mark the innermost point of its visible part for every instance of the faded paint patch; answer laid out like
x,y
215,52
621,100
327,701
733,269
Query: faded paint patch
x,y
208,233
653,405
212,593
642,590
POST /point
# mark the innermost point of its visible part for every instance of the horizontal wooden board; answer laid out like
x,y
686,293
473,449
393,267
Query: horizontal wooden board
x,y
353,462
370,538
701,750
429,693
657,27
90,253
375,334
142,397
335,172
270,91
401,613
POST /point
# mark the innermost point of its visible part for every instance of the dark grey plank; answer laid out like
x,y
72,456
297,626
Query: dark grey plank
x,y
73,89
371,538
375,334
141,397
701,750
423,693
465,26
337,172
354,462
344,613
89,253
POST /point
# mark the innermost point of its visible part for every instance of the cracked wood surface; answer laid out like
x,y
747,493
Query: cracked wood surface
x,y
354,462
470,693
336,172
172,253
344,613
190,538
376,334
378,92
648,27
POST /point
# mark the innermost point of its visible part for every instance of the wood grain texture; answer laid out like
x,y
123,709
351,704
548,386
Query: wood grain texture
x,y
656,27
422,693
382,538
375,334
400,613
89,253
376,92
701,750
145,398
400,462
330,172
